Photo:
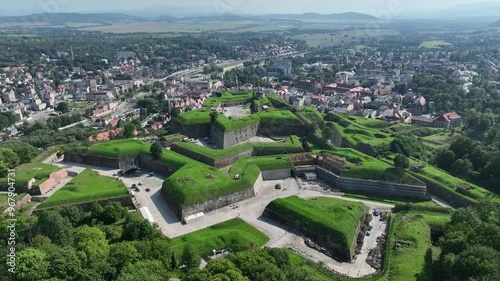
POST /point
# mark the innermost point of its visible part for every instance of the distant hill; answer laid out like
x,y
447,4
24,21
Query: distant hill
x,y
315,16
64,18
496,24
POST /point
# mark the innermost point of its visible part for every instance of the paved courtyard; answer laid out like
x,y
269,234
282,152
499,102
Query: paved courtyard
x,y
251,211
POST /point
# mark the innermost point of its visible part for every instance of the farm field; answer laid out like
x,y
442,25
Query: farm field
x,y
88,186
234,235
434,44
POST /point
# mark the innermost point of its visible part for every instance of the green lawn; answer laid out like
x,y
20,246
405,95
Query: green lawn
x,y
440,140
313,115
282,117
219,98
227,125
80,105
39,171
234,235
354,129
88,186
195,117
331,218
368,122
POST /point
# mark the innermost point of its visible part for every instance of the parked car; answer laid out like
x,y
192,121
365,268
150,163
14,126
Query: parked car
x,y
148,189
151,174
368,233
376,212
370,227
277,186
139,183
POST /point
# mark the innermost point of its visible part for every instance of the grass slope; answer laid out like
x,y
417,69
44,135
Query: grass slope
x,y
224,97
39,171
332,218
88,186
234,235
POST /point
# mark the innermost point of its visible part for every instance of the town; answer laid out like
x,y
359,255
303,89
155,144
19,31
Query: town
x,y
256,147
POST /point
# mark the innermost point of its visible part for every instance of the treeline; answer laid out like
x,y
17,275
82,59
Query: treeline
x,y
105,244
7,119
470,245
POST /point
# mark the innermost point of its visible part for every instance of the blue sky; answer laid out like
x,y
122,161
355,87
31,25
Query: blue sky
x,y
232,6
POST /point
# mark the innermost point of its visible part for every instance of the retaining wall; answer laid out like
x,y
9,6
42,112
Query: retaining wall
x,y
276,174
226,140
365,186
94,160
192,131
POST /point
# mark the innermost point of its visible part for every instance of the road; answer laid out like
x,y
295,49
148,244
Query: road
x,y
227,65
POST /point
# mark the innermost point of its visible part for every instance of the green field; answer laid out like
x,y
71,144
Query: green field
x,y
434,44
39,171
202,117
218,98
354,130
88,186
333,219
234,235
440,140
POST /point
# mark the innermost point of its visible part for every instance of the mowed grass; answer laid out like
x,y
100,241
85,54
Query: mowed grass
x,y
219,98
434,44
334,219
234,235
88,186
440,140
24,173
281,117
4,200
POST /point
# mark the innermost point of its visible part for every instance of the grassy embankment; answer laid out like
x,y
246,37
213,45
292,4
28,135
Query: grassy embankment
x,y
334,219
88,186
234,235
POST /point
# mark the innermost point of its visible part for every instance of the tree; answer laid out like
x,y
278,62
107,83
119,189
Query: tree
x,y
461,168
92,241
190,257
326,133
9,157
31,265
401,162
65,264
129,130
56,227
156,150
143,270
122,254
213,116
175,112
444,159
112,213
62,107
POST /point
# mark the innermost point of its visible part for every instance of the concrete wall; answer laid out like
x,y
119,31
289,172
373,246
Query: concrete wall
x,y
226,140
156,166
275,129
54,179
95,160
353,185
276,174
218,203
192,131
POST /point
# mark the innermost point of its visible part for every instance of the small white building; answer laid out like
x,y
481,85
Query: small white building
x,y
194,218
311,176
146,214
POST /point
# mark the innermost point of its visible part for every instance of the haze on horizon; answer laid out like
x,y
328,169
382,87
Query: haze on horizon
x,y
233,6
